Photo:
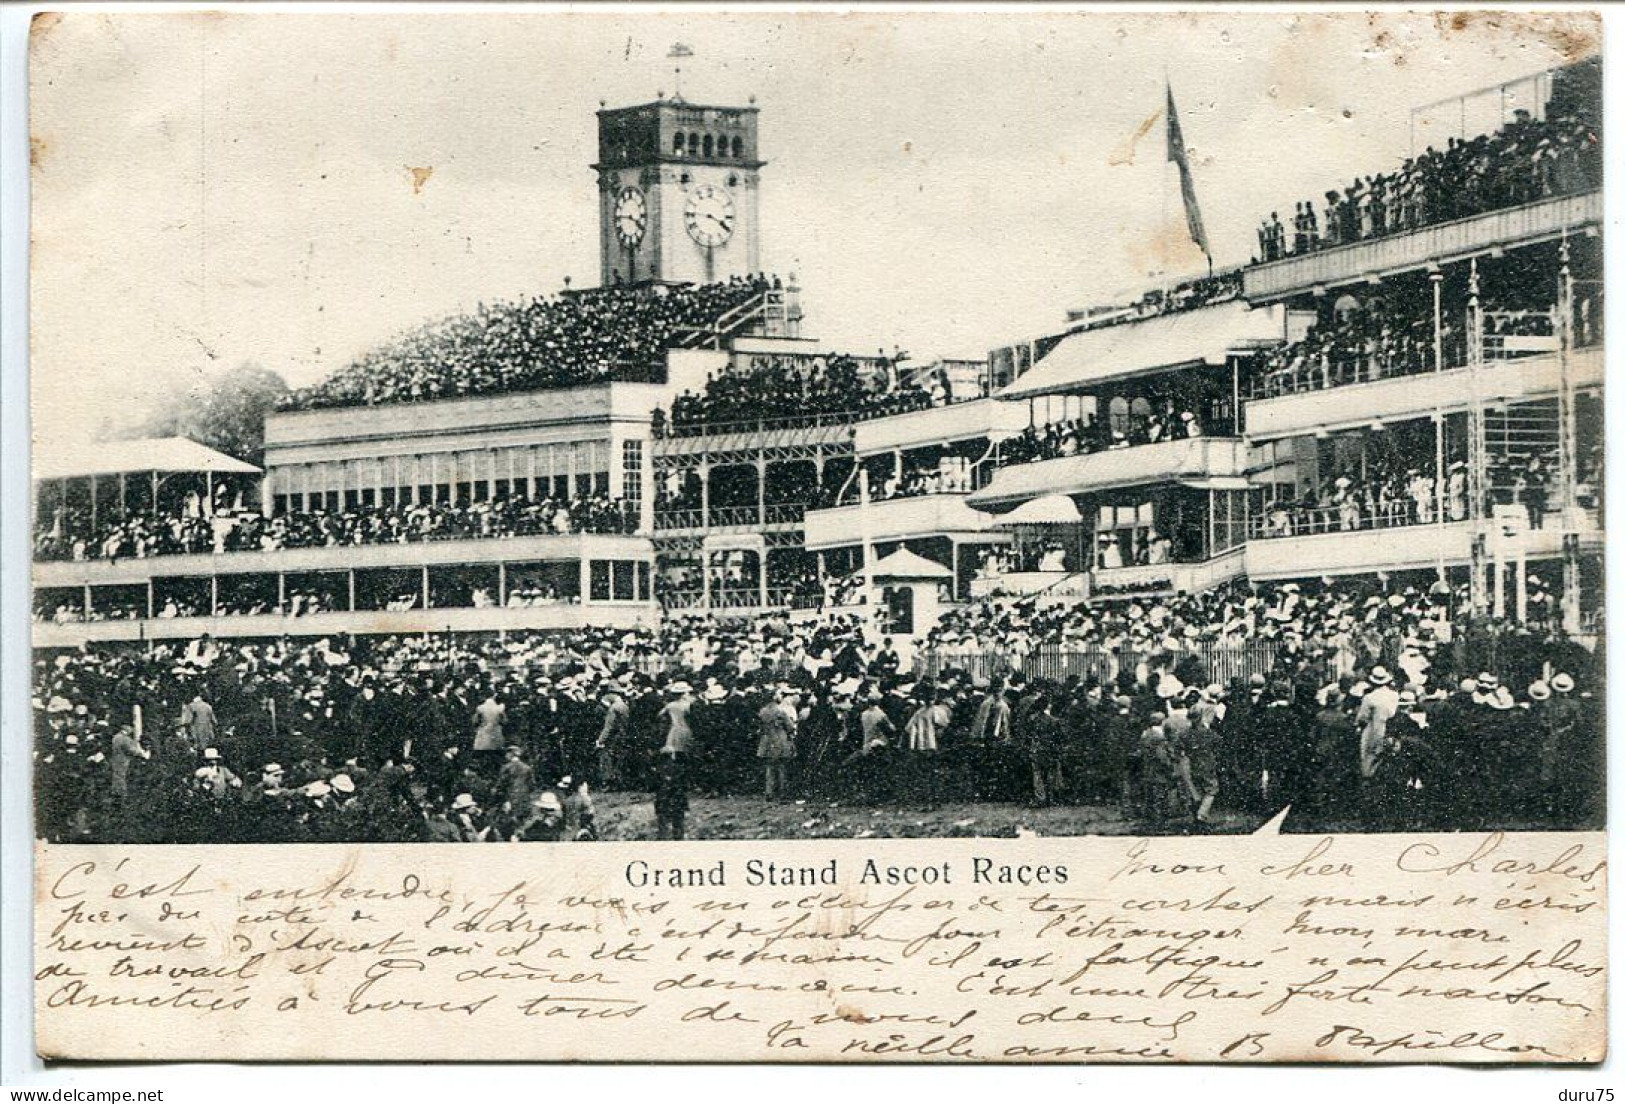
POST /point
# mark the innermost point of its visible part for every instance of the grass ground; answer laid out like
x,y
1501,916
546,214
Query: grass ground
x,y
630,816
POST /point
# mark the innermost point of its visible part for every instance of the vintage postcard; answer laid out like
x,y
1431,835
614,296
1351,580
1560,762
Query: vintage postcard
x,y
918,536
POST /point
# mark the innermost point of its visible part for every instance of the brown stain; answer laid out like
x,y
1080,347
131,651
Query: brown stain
x,y
420,177
37,149
1570,35
1124,154
1573,35
40,27
851,1013
1169,249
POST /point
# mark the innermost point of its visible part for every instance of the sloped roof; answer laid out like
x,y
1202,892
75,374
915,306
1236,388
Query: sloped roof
x,y
79,459
1055,509
1178,340
903,564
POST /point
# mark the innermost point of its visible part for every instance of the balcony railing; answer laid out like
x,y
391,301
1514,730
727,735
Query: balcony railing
x,y
893,518
1343,264
1314,520
730,517
1505,379
1166,461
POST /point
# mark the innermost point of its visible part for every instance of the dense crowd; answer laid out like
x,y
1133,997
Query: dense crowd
x,y
574,338
1527,159
800,390
1390,335
1371,710
1163,421
72,536
1387,496
1203,291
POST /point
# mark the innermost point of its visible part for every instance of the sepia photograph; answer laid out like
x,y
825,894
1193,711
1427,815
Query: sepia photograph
x,y
632,469
922,536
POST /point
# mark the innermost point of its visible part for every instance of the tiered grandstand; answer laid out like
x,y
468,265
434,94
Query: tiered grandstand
x,y
1405,383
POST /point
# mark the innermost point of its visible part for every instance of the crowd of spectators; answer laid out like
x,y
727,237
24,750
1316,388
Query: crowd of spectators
x,y
1392,334
1388,496
68,535
1163,421
1203,291
801,390
567,340
1361,697
1526,160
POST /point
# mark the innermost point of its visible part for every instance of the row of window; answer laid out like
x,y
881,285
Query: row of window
x,y
377,589
704,145
583,485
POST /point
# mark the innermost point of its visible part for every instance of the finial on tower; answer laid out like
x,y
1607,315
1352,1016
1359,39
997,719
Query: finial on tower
x,y
678,52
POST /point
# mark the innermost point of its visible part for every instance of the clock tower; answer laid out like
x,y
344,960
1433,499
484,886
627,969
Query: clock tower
x,y
677,193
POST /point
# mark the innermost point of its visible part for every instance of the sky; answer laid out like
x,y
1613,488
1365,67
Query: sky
x,y
211,190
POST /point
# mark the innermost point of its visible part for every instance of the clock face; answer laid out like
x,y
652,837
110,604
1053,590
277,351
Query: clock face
x,y
631,217
709,215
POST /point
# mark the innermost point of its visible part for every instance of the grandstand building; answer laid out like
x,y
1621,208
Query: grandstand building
x,y
1404,393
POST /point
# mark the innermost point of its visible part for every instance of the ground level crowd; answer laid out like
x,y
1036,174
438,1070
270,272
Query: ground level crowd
x,y
446,739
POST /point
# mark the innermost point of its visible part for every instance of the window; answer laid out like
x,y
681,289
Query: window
x,y
622,591
599,582
1119,415
643,581
738,147
632,472
677,144
708,145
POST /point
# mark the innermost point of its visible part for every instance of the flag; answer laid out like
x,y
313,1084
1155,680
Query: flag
x,y
1187,187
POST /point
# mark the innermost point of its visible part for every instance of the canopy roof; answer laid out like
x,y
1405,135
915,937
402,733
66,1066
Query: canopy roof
x,y
903,564
1055,509
1182,339
77,460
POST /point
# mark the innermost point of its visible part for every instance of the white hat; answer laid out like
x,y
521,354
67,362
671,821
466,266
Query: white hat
x,y
1500,700
1379,676
343,783
210,755
1539,691
1562,682
318,788
464,801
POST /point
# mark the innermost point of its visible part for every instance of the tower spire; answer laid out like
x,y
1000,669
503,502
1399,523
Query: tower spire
x,y
678,52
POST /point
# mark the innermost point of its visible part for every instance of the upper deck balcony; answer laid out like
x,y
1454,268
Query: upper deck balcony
x,y
572,547
516,418
939,425
1365,399
1403,548
1430,245
830,432
1181,460
894,519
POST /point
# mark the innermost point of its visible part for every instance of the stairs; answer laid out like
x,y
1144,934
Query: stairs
x,y
1513,434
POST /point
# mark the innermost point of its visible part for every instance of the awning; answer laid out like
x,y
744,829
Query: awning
x,y
1218,483
1055,509
903,564
78,460
1179,340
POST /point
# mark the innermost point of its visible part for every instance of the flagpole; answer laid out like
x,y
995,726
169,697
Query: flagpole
x,y
1167,124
